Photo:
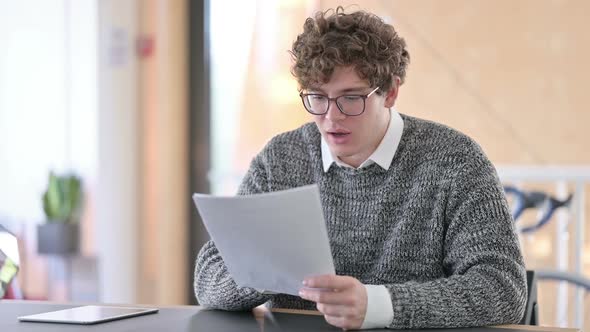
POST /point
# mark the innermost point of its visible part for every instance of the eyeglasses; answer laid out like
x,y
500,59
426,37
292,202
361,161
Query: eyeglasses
x,y
319,104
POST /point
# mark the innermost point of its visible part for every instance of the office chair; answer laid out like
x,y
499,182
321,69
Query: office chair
x,y
531,313
571,278
546,204
9,265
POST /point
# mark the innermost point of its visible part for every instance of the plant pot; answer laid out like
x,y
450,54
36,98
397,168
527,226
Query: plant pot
x,y
57,238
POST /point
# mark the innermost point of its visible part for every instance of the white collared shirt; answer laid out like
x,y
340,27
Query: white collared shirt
x,y
384,153
379,307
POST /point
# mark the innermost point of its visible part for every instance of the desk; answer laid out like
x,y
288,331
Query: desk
x,y
193,318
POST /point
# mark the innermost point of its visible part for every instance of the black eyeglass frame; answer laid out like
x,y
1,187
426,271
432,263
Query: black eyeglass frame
x,y
335,99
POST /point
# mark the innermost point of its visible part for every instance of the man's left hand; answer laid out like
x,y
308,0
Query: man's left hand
x,y
342,299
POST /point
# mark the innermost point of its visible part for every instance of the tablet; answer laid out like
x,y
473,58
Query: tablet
x,y
90,314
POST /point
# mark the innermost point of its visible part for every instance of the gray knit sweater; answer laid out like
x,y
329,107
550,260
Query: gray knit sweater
x,y
434,228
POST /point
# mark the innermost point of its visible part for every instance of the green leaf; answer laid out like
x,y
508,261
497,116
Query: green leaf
x,y
63,198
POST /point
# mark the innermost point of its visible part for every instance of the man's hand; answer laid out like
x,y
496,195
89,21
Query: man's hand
x,y
342,299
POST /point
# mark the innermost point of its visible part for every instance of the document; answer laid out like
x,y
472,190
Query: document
x,y
269,241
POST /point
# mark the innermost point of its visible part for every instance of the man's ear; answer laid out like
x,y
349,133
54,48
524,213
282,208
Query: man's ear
x,y
391,95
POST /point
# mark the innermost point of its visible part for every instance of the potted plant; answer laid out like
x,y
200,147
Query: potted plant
x,y
62,203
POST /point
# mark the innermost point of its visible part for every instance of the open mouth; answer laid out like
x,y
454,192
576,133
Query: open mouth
x,y
339,134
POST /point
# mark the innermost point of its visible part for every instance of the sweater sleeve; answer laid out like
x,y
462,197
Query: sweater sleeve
x,y
214,287
486,278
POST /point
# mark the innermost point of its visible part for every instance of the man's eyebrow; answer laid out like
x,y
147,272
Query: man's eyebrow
x,y
355,89
347,90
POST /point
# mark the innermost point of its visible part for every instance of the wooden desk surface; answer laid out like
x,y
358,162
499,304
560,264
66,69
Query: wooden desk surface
x,y
260,311
194,318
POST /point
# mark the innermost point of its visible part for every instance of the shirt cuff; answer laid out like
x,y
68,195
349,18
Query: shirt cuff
x,y
379,308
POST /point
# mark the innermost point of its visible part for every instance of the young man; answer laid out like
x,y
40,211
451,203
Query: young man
x,y
417,220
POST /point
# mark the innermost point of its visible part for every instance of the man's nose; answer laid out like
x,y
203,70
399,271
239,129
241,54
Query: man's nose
x,y
334,113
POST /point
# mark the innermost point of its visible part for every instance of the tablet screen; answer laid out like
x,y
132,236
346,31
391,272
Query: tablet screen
x,y
87,314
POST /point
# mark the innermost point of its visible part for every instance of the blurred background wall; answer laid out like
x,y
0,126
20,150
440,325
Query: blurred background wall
x,y
150,100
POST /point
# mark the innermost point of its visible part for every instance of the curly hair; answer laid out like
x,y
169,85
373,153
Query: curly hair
x,y
359,39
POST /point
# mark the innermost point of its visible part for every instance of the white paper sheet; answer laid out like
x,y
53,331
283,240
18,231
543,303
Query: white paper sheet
x,y
269,241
